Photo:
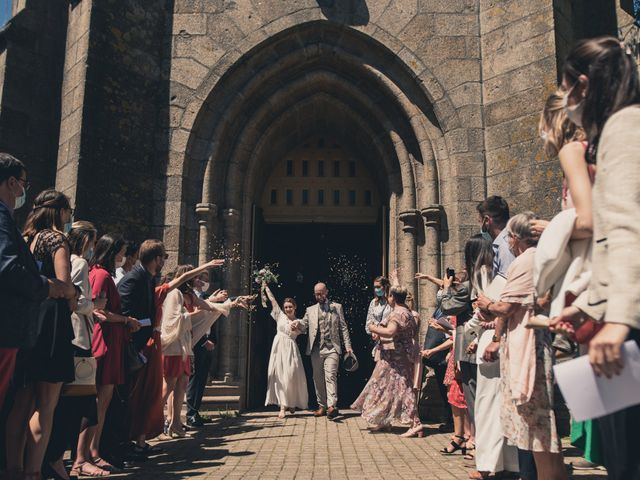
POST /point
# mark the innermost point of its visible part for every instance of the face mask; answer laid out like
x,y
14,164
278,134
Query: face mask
x,y
120,264
544,136
205,286
486,235
574,112
88,254
20,201
379,292
67,227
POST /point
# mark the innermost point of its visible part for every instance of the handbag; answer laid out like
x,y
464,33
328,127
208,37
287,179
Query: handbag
x,y
85,378
85,368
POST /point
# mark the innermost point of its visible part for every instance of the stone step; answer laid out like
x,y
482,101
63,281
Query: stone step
x,y
220,389
220,403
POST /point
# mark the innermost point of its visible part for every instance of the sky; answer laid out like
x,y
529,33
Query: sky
x,y
5,11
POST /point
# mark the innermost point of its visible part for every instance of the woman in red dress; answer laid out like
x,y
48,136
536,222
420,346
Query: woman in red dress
x,y
111,333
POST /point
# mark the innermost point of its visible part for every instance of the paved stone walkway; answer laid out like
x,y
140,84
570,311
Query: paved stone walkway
x,y
261,446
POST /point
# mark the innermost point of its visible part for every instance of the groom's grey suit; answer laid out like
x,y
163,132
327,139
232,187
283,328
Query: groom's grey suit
x,y
327,331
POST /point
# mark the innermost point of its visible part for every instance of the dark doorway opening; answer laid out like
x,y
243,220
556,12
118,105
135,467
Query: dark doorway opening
x,y
347,258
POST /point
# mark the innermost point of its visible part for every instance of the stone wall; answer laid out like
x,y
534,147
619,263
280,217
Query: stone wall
x,y
519,71
31,62
112,116
523,47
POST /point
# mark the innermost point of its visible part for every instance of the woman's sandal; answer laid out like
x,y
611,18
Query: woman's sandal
x,y
470,456
80,470
104,465
456,446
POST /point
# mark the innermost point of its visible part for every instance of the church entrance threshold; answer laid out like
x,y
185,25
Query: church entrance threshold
x,y
347,258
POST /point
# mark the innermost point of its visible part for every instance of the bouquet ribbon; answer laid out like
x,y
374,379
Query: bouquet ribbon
x,y
263,296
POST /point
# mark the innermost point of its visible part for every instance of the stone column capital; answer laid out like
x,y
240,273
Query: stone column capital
x,y
409,219
206,211
432,216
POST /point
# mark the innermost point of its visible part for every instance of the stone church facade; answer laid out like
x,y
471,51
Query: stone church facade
x,y
170,118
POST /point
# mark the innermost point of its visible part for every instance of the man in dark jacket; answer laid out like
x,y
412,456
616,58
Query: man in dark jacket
x,y
137,289
137,296
22,288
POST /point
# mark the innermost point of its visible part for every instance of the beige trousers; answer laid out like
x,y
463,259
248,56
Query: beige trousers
x,y
325,376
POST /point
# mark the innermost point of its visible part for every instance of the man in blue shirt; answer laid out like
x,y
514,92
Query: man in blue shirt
x,y
494,215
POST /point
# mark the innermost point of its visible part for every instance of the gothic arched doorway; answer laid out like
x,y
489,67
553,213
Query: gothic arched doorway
x,y
320,218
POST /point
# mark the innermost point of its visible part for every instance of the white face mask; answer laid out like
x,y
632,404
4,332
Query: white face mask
x,y
120,264
205,286
574,112
21,200
544,136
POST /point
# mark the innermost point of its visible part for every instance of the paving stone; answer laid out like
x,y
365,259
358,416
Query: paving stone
x,y
260,446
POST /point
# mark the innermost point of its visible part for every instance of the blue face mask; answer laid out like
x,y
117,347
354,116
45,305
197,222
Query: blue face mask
x,y
67,227
88,254
379,292
486,235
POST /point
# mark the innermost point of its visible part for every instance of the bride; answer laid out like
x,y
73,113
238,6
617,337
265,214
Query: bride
x,y
287,381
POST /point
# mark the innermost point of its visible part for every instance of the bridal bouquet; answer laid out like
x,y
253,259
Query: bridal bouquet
x,y
264,276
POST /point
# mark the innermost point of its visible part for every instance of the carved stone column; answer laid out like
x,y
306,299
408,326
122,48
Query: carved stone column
x,y
407,248
206,213
229,327
430,258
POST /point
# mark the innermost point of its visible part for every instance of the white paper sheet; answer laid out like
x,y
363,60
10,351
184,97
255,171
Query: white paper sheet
x,y
589,396
145,322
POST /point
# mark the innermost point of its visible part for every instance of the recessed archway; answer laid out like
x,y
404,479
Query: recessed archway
x,y
306,81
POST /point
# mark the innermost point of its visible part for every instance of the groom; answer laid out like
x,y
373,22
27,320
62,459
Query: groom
x,y
327,332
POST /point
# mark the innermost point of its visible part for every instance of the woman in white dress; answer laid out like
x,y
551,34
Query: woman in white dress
x,y
287,382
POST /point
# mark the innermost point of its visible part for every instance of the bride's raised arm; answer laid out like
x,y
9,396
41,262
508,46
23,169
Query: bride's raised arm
x,y
275,308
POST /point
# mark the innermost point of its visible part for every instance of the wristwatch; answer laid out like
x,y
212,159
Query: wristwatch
x,y
495,338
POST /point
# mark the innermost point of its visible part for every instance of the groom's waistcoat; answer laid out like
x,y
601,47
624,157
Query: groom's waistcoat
x,y
323,337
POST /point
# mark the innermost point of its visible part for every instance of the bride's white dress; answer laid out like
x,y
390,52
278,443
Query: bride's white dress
x,y
287,381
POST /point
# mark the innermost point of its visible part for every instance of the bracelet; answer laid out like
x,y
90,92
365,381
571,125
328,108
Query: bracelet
x,y
489,306
495,339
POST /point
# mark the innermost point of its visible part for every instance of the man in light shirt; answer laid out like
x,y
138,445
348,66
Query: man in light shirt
x,y
493,217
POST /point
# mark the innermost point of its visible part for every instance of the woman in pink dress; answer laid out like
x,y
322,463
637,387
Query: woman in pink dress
x,y
389,395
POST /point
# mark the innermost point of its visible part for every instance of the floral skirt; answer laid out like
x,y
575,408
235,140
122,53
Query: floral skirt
x,y
532,425
455,396
389,394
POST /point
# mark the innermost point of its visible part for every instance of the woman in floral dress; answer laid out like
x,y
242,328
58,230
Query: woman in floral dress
x,y
389,395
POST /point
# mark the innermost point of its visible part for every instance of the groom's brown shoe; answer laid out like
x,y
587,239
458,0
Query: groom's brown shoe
x,y
332,413
321,412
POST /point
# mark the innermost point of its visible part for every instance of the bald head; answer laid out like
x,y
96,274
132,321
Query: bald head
x,y
320,292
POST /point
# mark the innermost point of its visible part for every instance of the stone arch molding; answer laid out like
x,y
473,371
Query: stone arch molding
x,y
266,100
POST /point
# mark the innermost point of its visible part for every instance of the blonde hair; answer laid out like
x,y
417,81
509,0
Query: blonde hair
x,y
399,293
554,121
